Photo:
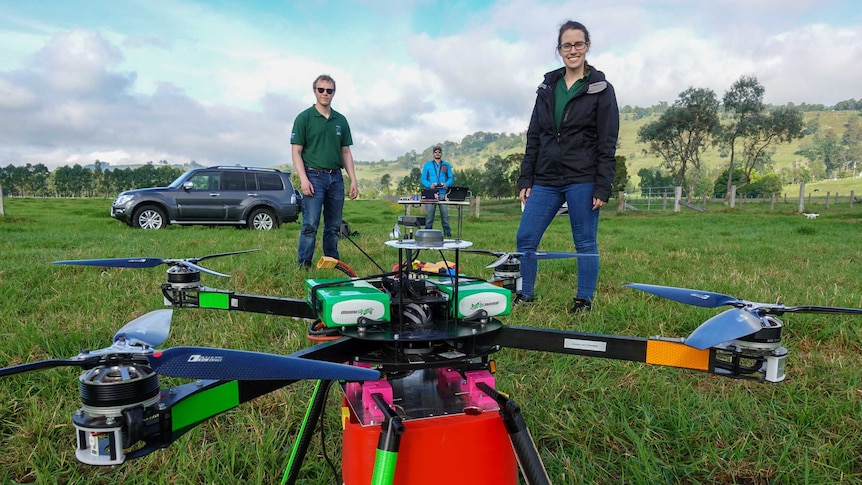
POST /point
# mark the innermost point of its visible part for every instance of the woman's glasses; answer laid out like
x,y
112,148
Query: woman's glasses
x,y
327,90
578,46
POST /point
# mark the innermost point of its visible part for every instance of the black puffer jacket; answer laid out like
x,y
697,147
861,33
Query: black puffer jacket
x,y
583,150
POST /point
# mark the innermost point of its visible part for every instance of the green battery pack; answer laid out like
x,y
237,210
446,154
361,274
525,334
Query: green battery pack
x,y
340,302
476,295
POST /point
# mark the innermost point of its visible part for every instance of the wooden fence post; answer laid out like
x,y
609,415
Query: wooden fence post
x,y
801,208
732,196
852,198
621,202
2,209
677,195
827,199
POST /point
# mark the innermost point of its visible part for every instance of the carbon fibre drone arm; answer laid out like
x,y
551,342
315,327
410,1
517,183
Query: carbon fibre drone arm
x,y
185,407
724,360
212,298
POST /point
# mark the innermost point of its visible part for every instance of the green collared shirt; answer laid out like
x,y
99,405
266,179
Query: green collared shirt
x,y
321,138
563,95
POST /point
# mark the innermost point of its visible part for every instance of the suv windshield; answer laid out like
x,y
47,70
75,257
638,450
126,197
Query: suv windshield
x,y
176,183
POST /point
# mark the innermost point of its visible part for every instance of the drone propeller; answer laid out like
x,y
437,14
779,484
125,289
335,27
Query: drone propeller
x,y
152,262
138,337
148,330
134,337
745,319
705,299
503,257
222,364
726,326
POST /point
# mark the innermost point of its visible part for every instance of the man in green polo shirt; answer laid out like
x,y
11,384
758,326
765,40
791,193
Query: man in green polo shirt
x,y
320,148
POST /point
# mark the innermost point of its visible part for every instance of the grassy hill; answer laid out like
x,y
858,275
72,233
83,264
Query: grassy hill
x,y
475,149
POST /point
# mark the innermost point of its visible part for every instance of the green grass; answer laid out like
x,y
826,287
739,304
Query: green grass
x,y
594,421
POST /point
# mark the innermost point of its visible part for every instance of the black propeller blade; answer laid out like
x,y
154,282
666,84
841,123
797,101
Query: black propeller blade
x,y
137,336
706,299
732,324
47,364
223,364
152,262
503,256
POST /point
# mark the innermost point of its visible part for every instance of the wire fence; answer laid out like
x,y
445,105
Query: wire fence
x,y
670,199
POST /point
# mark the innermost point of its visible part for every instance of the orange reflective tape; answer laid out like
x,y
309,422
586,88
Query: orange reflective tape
x,y
675,354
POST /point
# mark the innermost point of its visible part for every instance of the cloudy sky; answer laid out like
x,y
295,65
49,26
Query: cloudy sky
x,y
220,81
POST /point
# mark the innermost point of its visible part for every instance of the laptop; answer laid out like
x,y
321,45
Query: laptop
x,y
428,195
457,194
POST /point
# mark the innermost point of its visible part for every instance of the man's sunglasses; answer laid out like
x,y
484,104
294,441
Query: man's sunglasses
x,y
327,90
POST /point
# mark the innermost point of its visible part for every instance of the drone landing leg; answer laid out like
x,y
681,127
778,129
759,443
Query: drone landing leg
x,y
388,444
525,449
300,447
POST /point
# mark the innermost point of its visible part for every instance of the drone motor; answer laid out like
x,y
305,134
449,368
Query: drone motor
x,y
508,275
181,276
106,423
766,339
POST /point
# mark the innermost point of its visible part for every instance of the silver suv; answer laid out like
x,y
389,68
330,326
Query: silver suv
x,y
257,198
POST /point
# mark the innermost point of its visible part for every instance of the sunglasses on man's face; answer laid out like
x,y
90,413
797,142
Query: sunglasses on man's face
x,y
326,90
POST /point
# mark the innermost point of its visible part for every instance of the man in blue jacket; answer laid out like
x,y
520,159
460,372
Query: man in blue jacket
x,y
437,174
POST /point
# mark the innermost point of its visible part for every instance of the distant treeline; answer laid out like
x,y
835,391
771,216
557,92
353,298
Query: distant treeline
x,y
657,109
77,181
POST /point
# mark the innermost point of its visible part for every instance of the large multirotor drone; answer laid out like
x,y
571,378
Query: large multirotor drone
x,y
412,350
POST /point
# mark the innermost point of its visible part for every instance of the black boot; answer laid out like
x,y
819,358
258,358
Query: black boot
x,y
581,305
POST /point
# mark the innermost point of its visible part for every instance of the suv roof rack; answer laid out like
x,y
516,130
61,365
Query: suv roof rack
x,y
240,167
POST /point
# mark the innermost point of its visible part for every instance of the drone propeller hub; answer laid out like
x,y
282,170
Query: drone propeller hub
x,y
107,390
183,275
766,339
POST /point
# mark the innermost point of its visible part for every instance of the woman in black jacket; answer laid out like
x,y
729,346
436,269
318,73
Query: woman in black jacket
x,y
571,144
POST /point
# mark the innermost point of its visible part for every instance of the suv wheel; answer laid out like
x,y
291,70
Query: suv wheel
x,y
149,217
262,220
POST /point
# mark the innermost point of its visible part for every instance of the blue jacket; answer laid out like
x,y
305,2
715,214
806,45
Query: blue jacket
x,y
584,148
431,174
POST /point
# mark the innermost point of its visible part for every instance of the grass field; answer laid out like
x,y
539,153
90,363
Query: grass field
x,y
594,420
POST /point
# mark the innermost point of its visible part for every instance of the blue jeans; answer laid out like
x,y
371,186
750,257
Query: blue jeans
x,y
540,210
328,198
444,217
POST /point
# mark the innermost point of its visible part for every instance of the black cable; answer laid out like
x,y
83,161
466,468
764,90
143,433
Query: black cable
x,y
335,475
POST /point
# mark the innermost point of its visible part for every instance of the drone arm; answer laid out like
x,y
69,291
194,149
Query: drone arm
x,y
227,300
522,442
653,351
185,407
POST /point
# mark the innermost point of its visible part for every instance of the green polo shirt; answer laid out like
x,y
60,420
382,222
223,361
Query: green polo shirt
x,y
321,138
563,95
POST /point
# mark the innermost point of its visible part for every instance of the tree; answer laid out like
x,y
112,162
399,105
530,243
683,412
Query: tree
x,y
683,133
781,125
851,142
386,182
825,148
501,175
621,179
743,102
471,178
411,184
654,177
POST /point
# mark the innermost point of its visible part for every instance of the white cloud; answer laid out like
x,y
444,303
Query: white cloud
x,y
223,86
